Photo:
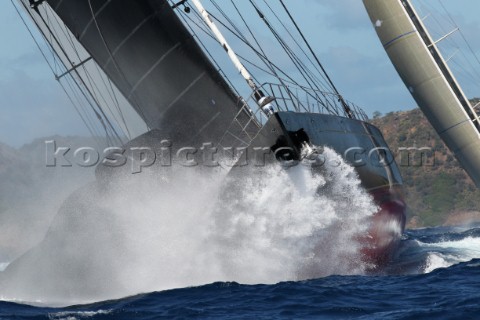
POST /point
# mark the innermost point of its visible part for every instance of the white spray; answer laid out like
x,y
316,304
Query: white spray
x,y
149,234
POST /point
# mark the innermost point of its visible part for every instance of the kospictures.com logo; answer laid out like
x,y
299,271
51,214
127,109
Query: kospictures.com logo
x,y
210,156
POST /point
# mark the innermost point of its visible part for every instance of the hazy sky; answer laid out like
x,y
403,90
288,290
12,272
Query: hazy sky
x,y
34,105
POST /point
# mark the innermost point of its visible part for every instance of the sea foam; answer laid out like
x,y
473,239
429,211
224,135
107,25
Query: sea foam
x,y
188,227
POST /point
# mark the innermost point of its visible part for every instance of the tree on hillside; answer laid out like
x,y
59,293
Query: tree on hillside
x,y
377,114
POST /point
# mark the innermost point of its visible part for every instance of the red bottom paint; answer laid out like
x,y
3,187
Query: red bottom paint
x,y
386,227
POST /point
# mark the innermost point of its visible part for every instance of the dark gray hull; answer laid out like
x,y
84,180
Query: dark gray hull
x,y
361,144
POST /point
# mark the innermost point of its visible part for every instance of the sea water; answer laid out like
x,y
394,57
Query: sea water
x,y
281,246
446,286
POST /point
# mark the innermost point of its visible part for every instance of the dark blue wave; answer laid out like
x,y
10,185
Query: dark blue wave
x,y
442,234
446,293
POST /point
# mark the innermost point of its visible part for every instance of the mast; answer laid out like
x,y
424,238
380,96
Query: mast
x,y
263,101
429,79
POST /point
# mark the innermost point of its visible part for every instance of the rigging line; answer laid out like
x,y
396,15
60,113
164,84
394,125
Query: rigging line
x,y
51,50
247,42
244,39
79,93
470,48
474,71
108,129
94,87
202,26
112,98
184,17
347,109
91,124
444,31
89,128
54,28
75,71
96,98
466,58
96,90
112,94
73,46
59,62
210,35
133,97
74,90
323,72
108,86
33,37
82,102
297,62
448,14
300,67
310,74
461,33
79,107
295,40
332,86
241,39
93,93
208,32
244,106
280,41
229,20
440,29
293,81
241,102
53,34
465,71
265,61
58,66
253,64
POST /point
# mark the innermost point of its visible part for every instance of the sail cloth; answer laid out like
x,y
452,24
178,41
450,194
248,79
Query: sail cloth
x,y
156,64
427,76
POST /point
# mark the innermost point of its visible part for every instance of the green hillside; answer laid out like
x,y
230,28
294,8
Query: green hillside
x,y
438,191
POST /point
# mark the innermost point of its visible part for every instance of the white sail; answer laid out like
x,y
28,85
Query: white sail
x,y
429,79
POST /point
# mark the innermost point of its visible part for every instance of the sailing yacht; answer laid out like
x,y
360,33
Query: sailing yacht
x,y
429,79
148,55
